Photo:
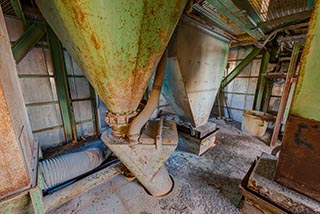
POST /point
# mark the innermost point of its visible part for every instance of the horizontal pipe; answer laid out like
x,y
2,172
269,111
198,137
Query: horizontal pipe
x,y
66,167
60,197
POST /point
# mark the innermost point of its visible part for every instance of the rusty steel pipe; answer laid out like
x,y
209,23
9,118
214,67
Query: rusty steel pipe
x,y
144,116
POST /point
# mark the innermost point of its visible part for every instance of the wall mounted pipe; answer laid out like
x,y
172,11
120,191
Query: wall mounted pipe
x,y
144,116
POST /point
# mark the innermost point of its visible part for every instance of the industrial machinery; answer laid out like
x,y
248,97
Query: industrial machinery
x,y
194,72
118,46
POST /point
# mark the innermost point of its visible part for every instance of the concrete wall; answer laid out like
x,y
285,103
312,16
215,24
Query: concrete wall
x,y
239,94
36,78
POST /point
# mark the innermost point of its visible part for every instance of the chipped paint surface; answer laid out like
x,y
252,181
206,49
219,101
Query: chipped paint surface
x,y
14,162
306,100
117,44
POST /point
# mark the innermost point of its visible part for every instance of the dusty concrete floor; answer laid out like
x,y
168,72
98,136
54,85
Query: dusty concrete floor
x,y
206,184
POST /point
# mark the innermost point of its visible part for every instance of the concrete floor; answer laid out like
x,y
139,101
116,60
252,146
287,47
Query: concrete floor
x,y
206,184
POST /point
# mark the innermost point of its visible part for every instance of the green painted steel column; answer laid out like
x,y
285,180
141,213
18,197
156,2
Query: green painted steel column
x,y
306,100
261,81
298,166
237,70
60,77
18,11
267,95
25,43
94,111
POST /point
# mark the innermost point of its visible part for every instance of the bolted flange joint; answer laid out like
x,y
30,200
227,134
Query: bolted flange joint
x,y
119,122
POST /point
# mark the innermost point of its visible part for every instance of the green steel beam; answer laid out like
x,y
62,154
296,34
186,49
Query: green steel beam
x,y
306,99
231,11
37,202
245,5
267,95
310,4
18,11
94,110
60,76
237,70
261,81
284,21
215,20
26,42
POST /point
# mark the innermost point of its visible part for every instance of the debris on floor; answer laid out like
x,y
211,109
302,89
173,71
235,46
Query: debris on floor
x,y
203,184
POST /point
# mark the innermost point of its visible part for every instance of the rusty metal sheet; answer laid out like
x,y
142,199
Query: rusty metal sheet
x,y
117,44
253,199
299,161
261,181
16,138
201,58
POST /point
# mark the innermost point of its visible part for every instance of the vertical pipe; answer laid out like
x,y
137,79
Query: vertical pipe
x,y
143,117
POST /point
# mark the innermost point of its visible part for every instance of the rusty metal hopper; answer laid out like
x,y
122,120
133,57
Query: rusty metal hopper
x,y
117,44
195,67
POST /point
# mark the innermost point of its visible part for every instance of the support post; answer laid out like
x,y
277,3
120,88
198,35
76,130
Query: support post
x,y
285,93
261,81
95,116
60,76
26,42
237,70
18,11
267,95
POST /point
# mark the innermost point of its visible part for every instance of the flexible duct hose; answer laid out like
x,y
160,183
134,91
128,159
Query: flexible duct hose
x,y
143,117
66,167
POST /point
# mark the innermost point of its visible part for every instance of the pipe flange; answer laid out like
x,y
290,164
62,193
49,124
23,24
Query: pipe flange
x,y
119,120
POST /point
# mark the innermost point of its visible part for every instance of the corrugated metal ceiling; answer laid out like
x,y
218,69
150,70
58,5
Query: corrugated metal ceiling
x,y
274,9
7,7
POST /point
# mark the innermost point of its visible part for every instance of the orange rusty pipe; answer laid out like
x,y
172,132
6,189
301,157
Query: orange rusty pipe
x,y
143,117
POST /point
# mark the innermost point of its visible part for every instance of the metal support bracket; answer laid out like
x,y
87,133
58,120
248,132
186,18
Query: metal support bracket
x,y
238,69
27,41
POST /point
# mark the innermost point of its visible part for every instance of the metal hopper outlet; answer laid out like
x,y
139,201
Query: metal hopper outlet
x,y
195,67
118,45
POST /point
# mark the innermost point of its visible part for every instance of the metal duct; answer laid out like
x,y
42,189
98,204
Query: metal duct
x,y
66,167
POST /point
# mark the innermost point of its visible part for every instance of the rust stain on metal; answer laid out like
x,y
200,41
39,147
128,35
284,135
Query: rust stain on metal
x,y
307,45
96,43
299,161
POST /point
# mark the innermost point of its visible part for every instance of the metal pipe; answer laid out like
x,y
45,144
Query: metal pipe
x,y
160,185
65,167
143,117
